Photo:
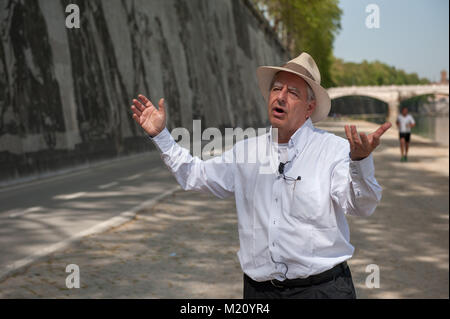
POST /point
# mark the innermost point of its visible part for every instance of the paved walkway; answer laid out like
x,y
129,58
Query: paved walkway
x,y
185,247
37,215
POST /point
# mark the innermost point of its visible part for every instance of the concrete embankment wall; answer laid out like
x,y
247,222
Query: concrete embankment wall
x,y
65,93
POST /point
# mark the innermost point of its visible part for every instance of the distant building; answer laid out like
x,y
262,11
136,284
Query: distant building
x,y
444,79
440,97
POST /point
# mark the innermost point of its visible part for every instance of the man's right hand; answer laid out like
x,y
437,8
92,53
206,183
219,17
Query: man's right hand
x,y
152,120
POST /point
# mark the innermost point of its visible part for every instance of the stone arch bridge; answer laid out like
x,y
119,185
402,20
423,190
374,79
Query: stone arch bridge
x,y
392,95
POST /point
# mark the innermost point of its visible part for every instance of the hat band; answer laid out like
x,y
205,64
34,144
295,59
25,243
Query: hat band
x,y
299,69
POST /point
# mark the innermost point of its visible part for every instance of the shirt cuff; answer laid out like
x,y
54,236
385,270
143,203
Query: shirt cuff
x,y
362,168
163,141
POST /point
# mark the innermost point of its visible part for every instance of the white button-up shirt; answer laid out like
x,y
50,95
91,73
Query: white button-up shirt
x,y
286,229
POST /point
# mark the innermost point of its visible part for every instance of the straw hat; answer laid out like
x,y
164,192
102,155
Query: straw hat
x,y
305,67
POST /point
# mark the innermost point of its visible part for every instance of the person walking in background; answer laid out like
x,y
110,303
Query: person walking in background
x,y
405,122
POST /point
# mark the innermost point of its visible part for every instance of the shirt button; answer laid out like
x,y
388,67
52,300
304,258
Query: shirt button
x,y
276,199
273,244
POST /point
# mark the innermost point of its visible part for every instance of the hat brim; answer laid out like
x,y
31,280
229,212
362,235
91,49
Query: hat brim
x,y
265,76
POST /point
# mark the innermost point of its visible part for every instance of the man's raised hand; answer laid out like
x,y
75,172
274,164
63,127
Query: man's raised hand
x,y
152,120
361,146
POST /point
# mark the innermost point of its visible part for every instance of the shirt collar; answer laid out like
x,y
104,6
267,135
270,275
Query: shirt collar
x,y
299,139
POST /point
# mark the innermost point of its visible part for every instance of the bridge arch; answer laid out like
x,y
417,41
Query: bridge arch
x,y
372,96
422,103
364,105
392,95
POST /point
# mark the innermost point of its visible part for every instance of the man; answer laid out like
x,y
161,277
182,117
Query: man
x,y
294,238
405,122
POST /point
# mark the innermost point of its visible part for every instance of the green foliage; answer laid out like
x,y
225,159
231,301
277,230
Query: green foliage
x,y
311,26
306,25
371,73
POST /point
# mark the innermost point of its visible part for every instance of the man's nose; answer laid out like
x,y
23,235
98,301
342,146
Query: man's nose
x,y
282,95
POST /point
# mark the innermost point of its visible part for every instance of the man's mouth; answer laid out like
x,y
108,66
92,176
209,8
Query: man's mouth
x,y
278,111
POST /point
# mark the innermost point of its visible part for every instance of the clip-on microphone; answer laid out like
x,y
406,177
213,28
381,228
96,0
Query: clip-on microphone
x,y
281,170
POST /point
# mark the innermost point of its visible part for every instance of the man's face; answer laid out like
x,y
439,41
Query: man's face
x,y
404,111
288,102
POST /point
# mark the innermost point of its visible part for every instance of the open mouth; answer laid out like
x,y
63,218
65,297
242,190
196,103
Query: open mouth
x,y
278,111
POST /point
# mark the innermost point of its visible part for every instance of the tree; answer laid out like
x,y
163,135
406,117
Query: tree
x,y
370,73
306,25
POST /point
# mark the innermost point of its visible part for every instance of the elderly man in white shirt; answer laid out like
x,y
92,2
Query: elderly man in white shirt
x,y
293,233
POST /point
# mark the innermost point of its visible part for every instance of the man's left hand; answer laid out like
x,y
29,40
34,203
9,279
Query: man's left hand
x,y
361,146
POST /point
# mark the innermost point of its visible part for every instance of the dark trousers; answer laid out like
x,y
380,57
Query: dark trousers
x,y
340,286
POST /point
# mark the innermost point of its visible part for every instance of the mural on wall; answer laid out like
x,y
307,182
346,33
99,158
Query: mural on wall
x,y
99,87
140,32
30,101
184,18
169,79
5,96
65,93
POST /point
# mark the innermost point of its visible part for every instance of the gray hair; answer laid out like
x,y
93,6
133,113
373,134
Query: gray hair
x,y
311,95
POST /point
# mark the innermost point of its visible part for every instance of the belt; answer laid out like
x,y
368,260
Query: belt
x,y
308,281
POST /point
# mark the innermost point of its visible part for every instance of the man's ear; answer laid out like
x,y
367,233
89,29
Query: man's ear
x,y
311,107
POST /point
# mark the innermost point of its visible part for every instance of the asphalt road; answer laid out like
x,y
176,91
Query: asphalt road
x,y
35,215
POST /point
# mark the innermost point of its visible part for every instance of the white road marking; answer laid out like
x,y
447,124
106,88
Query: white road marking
x,y
105,186
70,196
26,211
99,228
132,177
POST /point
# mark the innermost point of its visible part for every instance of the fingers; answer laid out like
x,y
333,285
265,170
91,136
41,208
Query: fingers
x,y
145,101
357,141
381,130
138,105
349,137
355,136
365,141
361,145
136,111
136,118
387,125
162,106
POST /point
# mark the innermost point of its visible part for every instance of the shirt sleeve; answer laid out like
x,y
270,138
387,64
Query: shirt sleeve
x,y
214,175
412,119
353,185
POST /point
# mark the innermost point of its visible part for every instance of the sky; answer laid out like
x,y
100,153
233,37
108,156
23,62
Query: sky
x,y
413,35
